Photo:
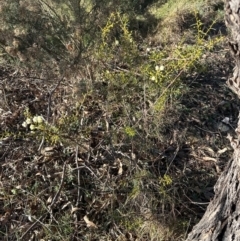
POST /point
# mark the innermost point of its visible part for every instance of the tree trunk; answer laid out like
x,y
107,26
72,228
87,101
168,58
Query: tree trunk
x,y
221,220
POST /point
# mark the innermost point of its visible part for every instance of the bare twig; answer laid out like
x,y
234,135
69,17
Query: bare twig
x,y
78,176
78,168
50,99
52,10
32,226
118,69
185,235
60,188
170,84
144,104
212,132
175,154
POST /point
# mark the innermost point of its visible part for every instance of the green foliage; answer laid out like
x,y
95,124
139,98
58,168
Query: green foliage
x,y
164,183
52,134
153,75
132,224
130,131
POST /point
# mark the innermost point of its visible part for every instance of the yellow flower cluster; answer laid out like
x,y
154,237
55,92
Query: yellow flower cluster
x,y
33,122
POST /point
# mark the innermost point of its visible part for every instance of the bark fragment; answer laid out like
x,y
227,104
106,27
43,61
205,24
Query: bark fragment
x,y
221,220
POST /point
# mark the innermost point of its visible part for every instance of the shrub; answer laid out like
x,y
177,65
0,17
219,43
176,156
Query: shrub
x,y
111,121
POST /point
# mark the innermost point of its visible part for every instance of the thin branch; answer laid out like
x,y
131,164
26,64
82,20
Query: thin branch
x,y
170,84
50,99
78,176
175,154
60,188
32,226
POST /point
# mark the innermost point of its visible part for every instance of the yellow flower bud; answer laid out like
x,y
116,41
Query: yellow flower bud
x,y
153,78
24,124
32,127
28,121
35,119
39,119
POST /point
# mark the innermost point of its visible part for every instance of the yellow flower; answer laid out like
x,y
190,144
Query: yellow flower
x,y
38,119
24,124
161,68
32,127
28,121
35,119
153,78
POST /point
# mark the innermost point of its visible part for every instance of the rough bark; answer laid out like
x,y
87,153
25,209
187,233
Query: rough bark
x,y
221,220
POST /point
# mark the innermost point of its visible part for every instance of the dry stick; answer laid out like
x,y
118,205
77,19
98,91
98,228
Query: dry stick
x,y
50,98
32,226
175,154
198,203
58,192
78,168
171,83
60,188
185,235
52,9
118,69
212,132
78,176
5,99
144,104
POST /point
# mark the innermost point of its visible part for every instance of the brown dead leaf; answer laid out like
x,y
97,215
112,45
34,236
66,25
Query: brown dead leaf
x,y
89,223
209,150
208,158
48,151
74,209
65,205
120,170
49,200
222,151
